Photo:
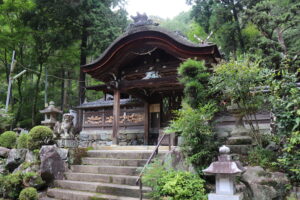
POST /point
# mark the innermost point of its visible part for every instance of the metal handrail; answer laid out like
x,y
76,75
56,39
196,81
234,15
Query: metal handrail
x,y
155,152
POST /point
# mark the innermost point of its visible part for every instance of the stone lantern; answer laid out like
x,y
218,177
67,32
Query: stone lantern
x,y
51,114
225,170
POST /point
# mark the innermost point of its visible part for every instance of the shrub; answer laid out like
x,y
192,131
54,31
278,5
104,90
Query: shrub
x,y
11,185
29,193
38,136
290,159
194,76
285,100
5,118
22,141
174,185
259,156
199,142
8,139
239,81
33,179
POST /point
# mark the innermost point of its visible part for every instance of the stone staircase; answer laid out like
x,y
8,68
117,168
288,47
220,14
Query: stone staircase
x,y
106,173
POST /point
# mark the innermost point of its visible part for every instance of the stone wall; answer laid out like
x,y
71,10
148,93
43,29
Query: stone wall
x,y
225,123
96,138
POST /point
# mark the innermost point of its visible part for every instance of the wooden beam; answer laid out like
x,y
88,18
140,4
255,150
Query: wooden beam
x,y
97,87
146,123
116,116
149,83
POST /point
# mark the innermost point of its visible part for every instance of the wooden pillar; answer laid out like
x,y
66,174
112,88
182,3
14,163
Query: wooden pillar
x,y
116,116
146,123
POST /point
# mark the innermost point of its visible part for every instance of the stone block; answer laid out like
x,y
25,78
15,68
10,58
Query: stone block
x,y
239,149
239,140
67,143
224,197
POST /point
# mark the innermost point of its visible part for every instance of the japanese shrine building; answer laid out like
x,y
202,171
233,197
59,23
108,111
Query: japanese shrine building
x,y
140,82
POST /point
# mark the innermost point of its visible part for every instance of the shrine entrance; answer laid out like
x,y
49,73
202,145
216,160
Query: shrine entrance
x,y
139,73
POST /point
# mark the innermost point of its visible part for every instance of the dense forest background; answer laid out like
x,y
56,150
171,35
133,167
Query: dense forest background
x,y
52,38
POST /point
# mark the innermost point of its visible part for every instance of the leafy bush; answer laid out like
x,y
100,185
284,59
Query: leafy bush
x,y
29,193
173,185
8,139
5,119
33,179
194,76
290,158
239,81
11,185
22,141
259,156
285,99
38,136
199,142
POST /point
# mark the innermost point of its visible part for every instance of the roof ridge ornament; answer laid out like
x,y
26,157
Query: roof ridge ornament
x,y
141,20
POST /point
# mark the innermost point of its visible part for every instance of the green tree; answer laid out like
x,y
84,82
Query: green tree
x,y
279,25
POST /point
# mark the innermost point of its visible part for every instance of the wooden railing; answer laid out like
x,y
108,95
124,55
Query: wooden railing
x,y
154,153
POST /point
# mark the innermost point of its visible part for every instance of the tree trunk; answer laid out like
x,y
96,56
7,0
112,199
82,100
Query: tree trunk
x,y
20,107
239,32
281,40
83,55
36,93
62,88
83,58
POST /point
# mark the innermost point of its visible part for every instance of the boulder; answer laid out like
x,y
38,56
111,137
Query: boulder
x,y
15,158
175,159
63,153
2,169
52,165
264,185
30,157
4,152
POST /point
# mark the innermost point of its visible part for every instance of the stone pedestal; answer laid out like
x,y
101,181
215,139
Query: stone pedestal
x,y
225,197
67,143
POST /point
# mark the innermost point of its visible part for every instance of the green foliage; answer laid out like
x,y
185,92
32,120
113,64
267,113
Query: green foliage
x,y
38,136
22,141
285,99
5,119
259,156
181,22
29,193
199,142
11,185
33,179
173,185
278,21
239,81
8,139
290,159
194,76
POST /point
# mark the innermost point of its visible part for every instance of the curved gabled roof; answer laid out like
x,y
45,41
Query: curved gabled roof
x,y
120,51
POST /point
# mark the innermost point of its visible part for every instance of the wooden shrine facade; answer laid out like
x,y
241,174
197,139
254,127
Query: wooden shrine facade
x,y
141,67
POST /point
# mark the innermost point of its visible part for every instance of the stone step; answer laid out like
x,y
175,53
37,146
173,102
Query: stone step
x,y
239,140
116,170
239,149
47,198
103,188
122,154
140,148
114,162
64,194
104,178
